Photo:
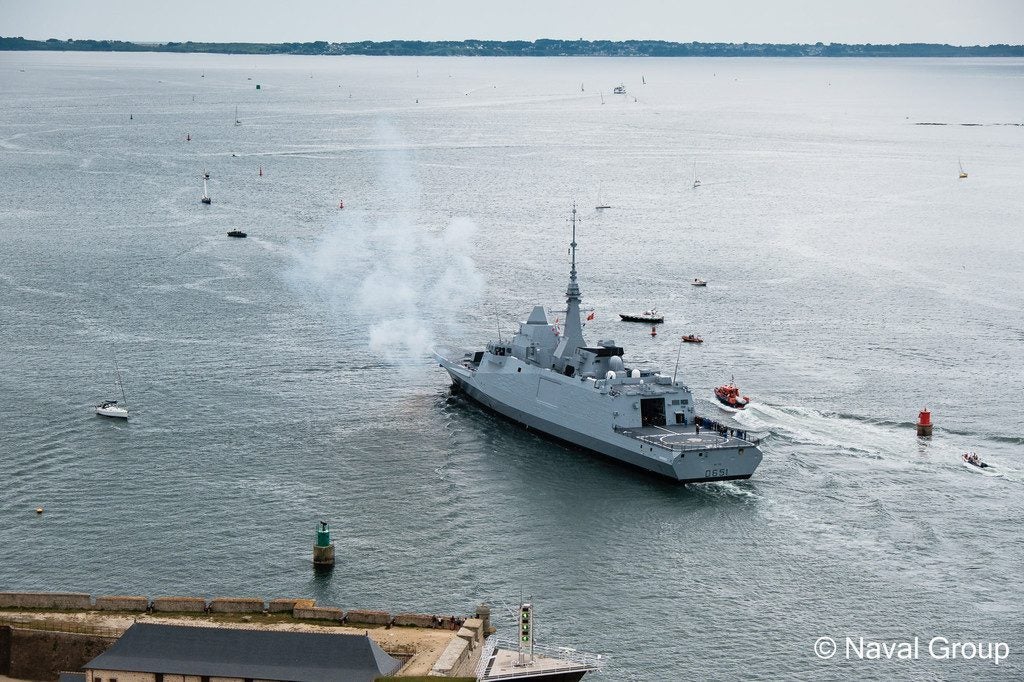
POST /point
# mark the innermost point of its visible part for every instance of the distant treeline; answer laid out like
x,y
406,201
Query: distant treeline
x,y
536,48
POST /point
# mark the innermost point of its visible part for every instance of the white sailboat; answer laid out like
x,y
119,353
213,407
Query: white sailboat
x,y
206,194
696,180
112,408
963,173
237,122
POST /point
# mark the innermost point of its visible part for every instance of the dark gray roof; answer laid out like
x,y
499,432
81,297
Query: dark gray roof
x,y
71,677
252,654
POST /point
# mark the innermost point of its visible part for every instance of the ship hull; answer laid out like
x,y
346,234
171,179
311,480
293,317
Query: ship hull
x,y
722,464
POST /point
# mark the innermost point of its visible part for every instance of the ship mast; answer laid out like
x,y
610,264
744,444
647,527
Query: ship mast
x,y
572,337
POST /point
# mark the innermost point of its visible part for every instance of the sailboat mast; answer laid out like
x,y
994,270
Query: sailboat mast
x,y
120,383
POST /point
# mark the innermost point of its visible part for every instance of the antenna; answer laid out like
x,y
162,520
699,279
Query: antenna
x,y
572,248
678,352
573,236
518,616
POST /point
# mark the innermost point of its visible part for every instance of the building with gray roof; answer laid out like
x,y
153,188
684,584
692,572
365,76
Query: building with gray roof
x,y
150,652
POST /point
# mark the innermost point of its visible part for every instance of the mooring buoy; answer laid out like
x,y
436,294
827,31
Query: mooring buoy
x,y
924,424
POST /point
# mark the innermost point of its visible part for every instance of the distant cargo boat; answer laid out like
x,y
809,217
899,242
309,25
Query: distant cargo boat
x,y
237,233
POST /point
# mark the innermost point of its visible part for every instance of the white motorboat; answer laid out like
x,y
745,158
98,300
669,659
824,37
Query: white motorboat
x,y
698,282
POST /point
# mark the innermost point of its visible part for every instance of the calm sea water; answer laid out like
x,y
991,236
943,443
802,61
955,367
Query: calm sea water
x,y
283,379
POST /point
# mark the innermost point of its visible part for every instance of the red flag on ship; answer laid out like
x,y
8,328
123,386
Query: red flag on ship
x,y
590,316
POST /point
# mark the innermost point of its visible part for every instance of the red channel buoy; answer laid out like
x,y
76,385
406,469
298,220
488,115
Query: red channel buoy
x,y
924,424
654,331
341,204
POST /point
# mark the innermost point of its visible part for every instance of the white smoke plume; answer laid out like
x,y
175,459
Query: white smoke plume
x,y
387,275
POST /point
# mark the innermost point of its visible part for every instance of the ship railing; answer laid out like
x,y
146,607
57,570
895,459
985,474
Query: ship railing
x,y
486,652
575,660
680,447
653,441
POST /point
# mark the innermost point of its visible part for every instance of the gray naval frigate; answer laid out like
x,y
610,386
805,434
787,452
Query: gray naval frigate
x,y
587,396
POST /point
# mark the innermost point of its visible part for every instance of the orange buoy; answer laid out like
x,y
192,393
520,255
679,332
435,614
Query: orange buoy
x,y
341,204
924,424
654,331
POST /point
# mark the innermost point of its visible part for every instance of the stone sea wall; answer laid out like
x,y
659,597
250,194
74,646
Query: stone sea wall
x,y
306,609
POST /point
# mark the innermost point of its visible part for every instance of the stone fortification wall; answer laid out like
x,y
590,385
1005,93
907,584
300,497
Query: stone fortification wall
x,y
42,655
179,604
299,608
235,605
318,613
45,600
119,603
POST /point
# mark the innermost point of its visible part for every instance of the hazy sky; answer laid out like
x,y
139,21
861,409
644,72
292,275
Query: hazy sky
x,y
959,22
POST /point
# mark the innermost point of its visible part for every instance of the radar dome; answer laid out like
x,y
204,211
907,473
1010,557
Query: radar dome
x,y
609,375
635,374
615,362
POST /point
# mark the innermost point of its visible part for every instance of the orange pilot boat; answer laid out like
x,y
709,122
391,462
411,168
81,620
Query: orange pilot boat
x,y
729,396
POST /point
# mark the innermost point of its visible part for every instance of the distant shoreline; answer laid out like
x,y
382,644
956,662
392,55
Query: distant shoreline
x,y
524,48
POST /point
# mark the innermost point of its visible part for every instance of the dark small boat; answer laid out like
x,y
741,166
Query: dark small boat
x,y
692,338
697,282
237,233
729,396
972,459
647,317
